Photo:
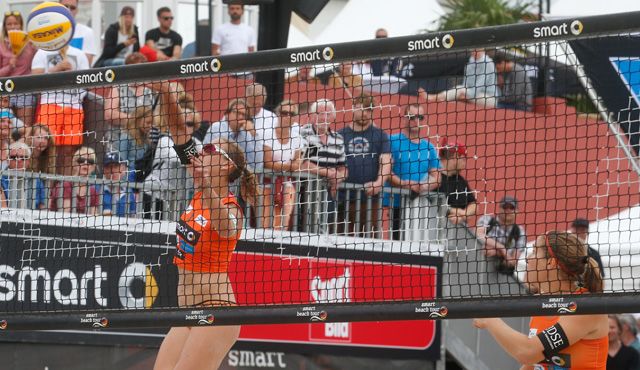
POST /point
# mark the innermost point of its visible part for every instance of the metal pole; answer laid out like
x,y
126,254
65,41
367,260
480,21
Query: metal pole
x,y
196,26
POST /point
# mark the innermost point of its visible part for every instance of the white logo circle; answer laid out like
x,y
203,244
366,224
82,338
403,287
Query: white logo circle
x,y
215,64
109,75
327,53
447,41
9,85
576,27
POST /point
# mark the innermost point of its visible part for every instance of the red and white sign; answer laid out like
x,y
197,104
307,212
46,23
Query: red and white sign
x,y
268,279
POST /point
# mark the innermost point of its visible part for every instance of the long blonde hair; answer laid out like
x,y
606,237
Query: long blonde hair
x,y
133,126
123,30
46,162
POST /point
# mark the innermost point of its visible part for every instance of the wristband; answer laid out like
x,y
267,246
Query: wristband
x,y
553,340
187,151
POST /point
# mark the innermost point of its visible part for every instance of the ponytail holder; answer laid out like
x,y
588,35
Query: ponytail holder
x,y
585,259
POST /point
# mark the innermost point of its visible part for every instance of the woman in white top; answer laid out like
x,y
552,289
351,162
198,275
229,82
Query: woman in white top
x,y
283,147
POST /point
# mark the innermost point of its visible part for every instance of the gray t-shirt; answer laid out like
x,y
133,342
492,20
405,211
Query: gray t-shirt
x,y
252,146
363,150
501,232
517,87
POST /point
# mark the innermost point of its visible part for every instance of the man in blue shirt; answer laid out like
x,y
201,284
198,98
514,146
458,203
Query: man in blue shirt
x,y
117,200
20,160
369,165
415,164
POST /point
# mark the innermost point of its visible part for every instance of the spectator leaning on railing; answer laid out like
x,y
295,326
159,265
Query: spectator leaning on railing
x,y
460,197
238,126
515,84
368,157
480,85
503,238
324,154
120,40
263,119
118,199
283,147
19,160
415,164
12,64
79,197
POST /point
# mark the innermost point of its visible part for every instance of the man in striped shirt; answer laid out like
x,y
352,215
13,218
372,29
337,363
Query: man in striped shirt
x,y
324,154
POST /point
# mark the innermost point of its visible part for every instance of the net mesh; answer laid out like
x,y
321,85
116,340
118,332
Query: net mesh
x,y
413,177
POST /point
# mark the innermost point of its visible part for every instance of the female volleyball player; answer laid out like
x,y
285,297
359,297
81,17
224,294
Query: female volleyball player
x,y
559,265
207,235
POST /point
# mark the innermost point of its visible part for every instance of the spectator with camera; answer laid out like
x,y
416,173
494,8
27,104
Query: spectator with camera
x,y
503,238
120,40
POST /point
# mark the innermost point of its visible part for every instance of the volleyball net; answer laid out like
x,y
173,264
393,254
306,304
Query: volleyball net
x,y
505,132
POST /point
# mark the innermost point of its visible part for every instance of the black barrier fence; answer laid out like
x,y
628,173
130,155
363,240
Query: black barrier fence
x,y
428,43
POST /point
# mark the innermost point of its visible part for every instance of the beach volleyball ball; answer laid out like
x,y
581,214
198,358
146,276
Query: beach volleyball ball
x,y
50,26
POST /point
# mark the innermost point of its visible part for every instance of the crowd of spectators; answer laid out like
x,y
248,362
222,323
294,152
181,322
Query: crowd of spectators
x,y
140,151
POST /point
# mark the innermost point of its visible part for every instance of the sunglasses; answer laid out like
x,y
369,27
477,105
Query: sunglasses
x,y
18,157
414,117
14,13
288,113
70,7
85,160
167,18
214,149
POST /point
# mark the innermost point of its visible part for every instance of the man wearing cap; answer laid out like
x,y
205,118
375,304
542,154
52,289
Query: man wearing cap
x,y
460,197
503,238
117,200
580,227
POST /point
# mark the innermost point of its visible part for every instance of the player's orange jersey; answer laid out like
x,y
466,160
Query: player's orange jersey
x,y
586,354
200,248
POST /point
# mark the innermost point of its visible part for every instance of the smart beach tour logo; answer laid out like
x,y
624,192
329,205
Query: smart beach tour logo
x,y
436,42
312,55
96,321
574,28
214,65
201,317
560,306
434,311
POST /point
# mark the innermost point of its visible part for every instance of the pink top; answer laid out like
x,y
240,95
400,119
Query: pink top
x,y
23,64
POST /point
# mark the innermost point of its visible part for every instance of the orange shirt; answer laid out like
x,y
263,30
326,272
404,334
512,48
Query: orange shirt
x,y
200,248
586,354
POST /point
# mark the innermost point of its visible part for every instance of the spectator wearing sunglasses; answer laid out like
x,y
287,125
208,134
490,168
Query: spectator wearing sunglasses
x,y
369,163
166,42
416,166
460,197
83,37
78,197
283,146
12,64
20,160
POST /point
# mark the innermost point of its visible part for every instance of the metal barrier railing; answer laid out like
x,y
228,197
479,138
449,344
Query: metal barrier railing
x,y
312,208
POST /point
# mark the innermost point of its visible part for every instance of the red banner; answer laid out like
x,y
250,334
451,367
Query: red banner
x,y
269,279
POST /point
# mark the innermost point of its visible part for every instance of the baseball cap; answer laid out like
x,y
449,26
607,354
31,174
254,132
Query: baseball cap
x,y
580,222
15,122
509,200
111,158
449,148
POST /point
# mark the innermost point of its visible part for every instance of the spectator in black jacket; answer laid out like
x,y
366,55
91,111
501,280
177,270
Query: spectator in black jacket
x,y
120,40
